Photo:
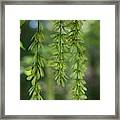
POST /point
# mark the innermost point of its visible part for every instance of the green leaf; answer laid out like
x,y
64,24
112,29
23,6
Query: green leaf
x,y
41,72
83,97
38,75
38,86
33,81
31,90
33,37
29,77
40,97
33,44
28,72
84,88
83,82
34,70
21,45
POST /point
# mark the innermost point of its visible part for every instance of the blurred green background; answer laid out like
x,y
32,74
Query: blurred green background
x,y
91,29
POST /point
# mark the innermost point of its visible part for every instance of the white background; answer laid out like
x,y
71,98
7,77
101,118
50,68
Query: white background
x,y
104,106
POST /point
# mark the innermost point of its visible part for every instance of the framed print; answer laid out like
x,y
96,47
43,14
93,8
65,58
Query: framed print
x,y
60,59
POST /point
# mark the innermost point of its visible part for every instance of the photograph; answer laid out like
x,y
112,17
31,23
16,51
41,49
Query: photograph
x,y
59,59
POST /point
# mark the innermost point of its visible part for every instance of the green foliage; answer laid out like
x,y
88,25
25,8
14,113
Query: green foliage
x,y
21,23
78,58
58,48
35,72
67,44
21,45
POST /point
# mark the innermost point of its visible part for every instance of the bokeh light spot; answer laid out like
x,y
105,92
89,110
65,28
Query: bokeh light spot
x,y
33,24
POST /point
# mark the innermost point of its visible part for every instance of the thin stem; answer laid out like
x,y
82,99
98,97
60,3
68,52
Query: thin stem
x,y
38,25
60,48
78,52
37,47
60,42
75,36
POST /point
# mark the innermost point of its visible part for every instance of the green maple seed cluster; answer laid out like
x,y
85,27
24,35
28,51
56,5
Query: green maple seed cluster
x,y
78,52
58,48
35,72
